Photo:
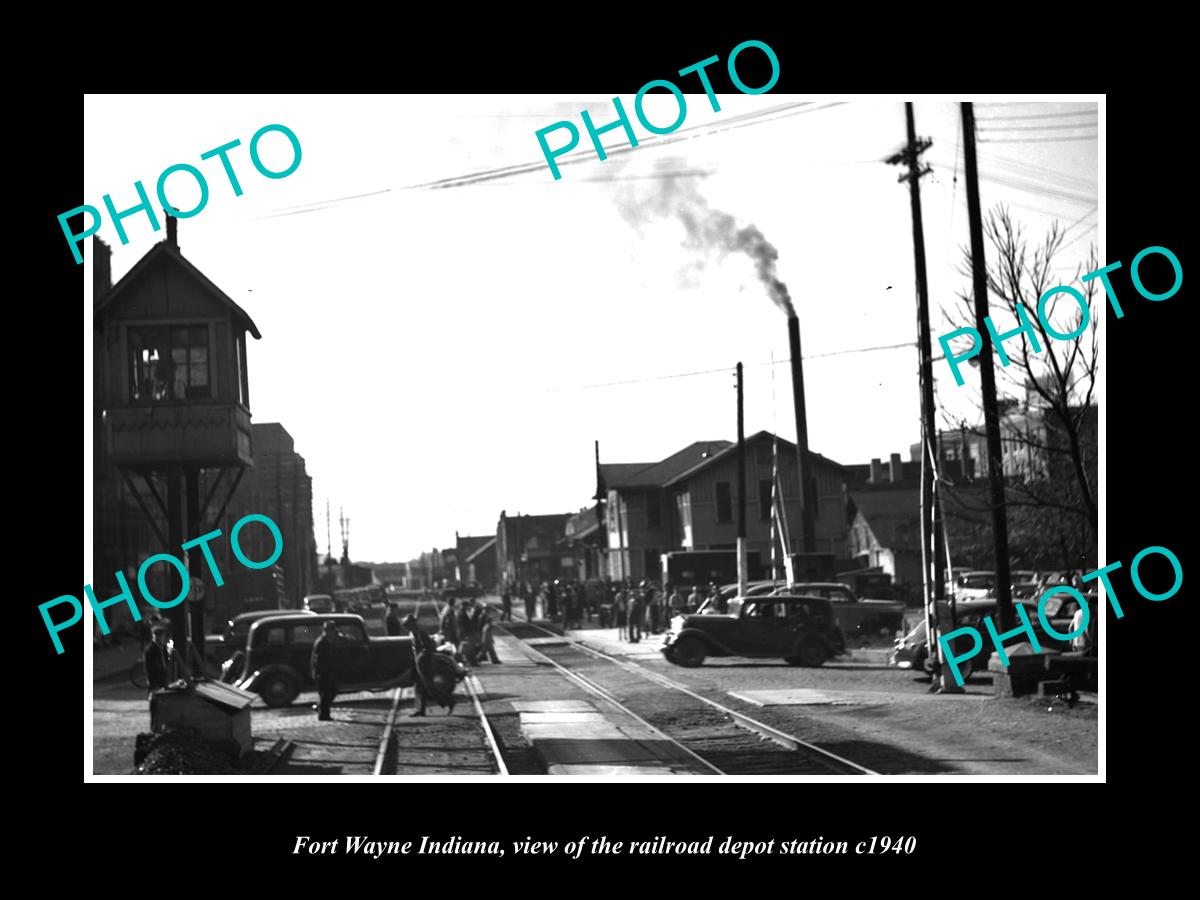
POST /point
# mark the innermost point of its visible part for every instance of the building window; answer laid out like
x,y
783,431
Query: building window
x,y
169,363
724,502
653,510
764,498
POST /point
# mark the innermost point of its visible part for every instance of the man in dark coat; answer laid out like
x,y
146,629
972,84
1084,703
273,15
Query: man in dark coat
x,y
156,659
392,623
506,605
323,671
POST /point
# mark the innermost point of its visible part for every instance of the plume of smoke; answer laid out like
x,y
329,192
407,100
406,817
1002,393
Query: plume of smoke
x,y
671,193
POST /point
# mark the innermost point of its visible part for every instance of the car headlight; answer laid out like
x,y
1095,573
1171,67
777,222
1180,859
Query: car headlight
x,y
1053,605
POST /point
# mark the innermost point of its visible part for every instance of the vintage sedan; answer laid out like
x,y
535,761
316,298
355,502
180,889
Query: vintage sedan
x,y
800,630
276,663
219,647
862,619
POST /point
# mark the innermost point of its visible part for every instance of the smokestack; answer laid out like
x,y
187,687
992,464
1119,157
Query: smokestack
x,y
876,471
895,469
806,500
101,268
172,230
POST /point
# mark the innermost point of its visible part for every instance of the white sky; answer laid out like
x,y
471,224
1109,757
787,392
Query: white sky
x,y
427,348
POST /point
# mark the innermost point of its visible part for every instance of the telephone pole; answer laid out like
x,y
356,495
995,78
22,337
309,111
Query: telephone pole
x,y
931,514
743,575
987,378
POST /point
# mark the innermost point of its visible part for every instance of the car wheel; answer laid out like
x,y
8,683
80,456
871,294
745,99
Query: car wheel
x,y
689,653
278,689
810,653
966,669
921,663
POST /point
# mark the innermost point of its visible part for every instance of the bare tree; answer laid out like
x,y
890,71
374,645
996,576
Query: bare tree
x,y
1054,426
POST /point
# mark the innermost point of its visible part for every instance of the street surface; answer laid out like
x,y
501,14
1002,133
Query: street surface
x,y
859,708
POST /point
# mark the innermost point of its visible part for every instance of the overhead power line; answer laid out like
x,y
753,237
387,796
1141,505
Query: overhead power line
x,y
1082,137
729,368
758,117
1066,127
1053,115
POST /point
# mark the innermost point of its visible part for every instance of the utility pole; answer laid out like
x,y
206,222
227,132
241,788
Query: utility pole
x,y
931,513
987,378
743,575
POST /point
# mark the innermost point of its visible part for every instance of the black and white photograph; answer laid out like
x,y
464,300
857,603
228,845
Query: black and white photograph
x,y
705,431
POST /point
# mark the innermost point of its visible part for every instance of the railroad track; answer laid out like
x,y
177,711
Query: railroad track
x,y
473,691
723,740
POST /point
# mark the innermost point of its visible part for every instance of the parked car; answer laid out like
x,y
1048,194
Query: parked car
x,y
975,586
800,630
219,647
1026,590
911,650
319,603
276,663
857,618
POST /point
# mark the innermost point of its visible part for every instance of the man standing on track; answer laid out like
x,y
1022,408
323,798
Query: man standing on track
x,y
322,670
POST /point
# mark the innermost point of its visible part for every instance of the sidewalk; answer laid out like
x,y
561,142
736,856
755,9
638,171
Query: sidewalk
x,y
650,646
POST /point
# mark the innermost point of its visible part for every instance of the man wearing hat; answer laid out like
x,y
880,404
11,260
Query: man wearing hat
x,y
323,672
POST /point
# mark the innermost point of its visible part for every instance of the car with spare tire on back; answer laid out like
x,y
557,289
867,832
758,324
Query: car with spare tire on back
x,y
801,630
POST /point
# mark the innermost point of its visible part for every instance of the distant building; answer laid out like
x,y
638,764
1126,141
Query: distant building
x,y
586,539
532,548
688,501
884,508
480,566
279,487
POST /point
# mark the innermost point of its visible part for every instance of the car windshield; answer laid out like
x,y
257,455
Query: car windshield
x,y
976,581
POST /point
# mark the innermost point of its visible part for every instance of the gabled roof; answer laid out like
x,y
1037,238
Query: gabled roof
x,y
619,475
483,548
174,257
730,449
893,515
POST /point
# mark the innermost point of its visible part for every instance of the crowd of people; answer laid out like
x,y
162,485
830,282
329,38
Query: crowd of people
x,y
634,610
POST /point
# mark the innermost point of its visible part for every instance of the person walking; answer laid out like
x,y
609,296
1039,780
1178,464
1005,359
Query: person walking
x,y
676,603
487,639
653,610
392,624
506,605
448,622
527,594
424,685
637,610
464,620
323,672
621,614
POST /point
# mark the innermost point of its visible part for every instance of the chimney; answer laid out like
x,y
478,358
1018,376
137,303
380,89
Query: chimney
x,y
101,268
876,471
172,230
896,469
